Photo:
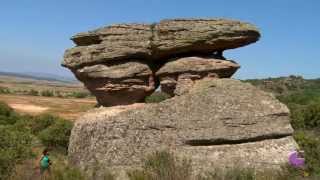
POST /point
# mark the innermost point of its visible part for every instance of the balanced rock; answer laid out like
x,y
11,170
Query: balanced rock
x,y
97,51
218,123
180,73
114,84
154,42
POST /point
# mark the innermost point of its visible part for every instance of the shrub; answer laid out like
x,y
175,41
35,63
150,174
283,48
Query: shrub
x,y
311,115
157,97
7,115
305,117
163,166
5,110
4,90
33,92
310,143
79,94
41,122
15,146
57,135
47,93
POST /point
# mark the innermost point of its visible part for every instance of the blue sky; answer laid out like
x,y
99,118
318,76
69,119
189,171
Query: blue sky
x,y
35,33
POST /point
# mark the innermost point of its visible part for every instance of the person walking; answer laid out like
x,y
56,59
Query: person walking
x,y
45,164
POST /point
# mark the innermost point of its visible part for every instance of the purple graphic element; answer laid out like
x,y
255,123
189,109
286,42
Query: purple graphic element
x,y
295,160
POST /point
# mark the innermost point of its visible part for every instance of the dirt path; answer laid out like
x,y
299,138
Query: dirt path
x,y
28,108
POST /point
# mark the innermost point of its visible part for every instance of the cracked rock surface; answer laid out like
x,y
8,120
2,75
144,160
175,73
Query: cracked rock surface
x,y
217,123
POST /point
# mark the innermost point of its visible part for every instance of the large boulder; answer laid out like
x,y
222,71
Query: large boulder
x,y
218,123
179,74
118,83
158,41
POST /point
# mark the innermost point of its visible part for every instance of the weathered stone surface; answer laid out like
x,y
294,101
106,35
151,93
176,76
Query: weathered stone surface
x,y
118,84
202,35
218,123
179,74
116,42
155,42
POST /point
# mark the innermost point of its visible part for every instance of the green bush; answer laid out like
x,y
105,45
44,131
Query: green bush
x,y
41,122
47,93
311,115
5,110
15,146
57,135
33,92
157,97
79,94
7,115
310,143
4,90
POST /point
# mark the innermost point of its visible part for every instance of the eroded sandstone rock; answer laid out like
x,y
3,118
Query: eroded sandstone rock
x,y
155,42
97,51
204,36
218,123
120,83
178,75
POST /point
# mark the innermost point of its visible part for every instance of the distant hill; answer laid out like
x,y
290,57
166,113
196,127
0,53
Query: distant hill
x,y
39,76
287,85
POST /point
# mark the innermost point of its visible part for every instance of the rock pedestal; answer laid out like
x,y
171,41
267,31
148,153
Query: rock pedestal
x,y
152,45
219,123
118,83
214,121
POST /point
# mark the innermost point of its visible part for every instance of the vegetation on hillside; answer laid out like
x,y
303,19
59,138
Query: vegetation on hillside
x,y
19,136
303,99
45,93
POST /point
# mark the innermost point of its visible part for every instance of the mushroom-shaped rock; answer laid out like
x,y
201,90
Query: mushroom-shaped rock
x,y
178,75
158,41
118,84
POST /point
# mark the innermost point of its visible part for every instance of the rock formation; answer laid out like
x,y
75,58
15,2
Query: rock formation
x,y
149,45
218,123
210,119
118,83
184,71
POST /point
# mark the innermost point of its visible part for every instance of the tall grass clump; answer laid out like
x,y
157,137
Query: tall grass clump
x,y
163,165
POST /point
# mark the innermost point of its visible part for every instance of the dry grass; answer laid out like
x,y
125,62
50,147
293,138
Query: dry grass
x,y
68,108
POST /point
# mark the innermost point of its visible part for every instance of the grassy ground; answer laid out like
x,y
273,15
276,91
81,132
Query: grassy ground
x,y
68,108
27,96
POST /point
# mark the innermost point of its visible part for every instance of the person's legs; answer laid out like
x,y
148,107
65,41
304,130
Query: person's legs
x,y
44,173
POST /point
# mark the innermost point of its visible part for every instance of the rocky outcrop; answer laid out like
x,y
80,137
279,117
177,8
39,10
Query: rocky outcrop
x,y
217,123
156,41
153,45
184,71
122,83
